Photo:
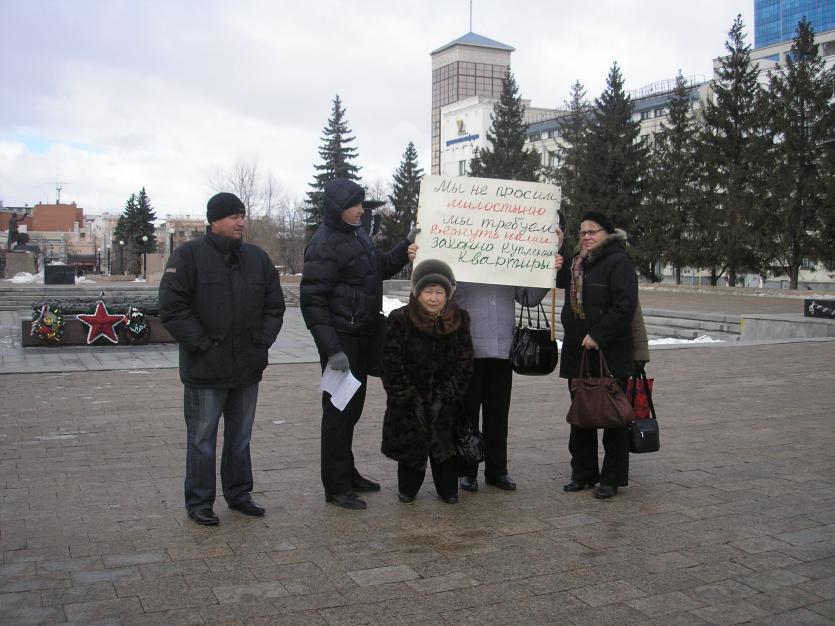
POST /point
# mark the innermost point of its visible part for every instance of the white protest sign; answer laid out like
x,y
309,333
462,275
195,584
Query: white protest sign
x,y
488,230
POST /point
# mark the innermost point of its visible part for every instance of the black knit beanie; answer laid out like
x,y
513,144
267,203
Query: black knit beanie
x,y
222,205
600,218
433,272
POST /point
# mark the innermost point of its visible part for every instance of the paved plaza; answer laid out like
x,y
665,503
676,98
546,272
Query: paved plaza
x,y
732,521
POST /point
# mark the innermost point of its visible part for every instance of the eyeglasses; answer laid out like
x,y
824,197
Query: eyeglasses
x,y
589,233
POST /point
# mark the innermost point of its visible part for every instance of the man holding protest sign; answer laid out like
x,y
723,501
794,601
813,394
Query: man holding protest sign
x,y
501,238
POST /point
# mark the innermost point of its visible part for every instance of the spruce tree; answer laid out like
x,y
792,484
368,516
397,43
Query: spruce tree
x,y
733,148
505,156
573,128
802,118
614,166
135,222
337,155
405,191
672,197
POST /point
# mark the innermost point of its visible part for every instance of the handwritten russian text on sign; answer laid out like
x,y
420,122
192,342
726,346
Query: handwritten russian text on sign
x,y
488,230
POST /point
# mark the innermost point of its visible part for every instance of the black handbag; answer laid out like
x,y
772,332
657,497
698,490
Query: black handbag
x,y
469,442
644,435
533,351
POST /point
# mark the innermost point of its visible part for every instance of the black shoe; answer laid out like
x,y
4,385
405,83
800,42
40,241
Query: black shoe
x,y
468,483
404,498
348,500
205,517
604,492
575,486
453,499
502,482
362,484
248,507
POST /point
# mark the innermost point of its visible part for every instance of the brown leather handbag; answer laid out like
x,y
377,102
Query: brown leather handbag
x,y
598,402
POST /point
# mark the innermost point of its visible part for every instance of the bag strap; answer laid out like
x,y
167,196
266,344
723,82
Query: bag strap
x,y
605,372
649,393
585,372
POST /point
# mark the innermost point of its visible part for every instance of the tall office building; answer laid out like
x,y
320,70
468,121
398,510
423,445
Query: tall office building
x,y
775,21
471,65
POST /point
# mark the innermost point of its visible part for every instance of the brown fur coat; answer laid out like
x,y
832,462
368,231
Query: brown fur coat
x,y
423,362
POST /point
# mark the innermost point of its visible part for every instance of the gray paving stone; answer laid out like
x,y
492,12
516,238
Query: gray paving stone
x,y
380,575
234,594
736,612
95,611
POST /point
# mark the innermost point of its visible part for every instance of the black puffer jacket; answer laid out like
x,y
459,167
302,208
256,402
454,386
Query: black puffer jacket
x,y
222,301
610,293
421,364
341,289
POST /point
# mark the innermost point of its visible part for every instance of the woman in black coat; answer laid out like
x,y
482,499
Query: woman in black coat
x,y
427,365
601,295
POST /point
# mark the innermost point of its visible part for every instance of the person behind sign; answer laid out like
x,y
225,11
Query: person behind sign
x,y
341,295
427,360
601,296
492,320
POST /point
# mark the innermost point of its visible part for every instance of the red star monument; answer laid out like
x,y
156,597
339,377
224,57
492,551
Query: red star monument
x,y
101,324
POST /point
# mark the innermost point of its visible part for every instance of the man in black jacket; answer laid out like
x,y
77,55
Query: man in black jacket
x,y
341,296
220,298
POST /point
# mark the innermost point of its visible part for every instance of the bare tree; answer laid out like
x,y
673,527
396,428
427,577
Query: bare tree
x,y
291,236
242,179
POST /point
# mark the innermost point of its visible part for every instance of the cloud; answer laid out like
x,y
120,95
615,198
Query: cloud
x,y
113,95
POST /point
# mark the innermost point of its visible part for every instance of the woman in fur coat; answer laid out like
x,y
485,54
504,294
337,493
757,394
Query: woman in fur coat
x,y
427,364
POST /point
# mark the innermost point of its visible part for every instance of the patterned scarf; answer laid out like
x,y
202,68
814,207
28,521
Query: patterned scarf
x,y
576,290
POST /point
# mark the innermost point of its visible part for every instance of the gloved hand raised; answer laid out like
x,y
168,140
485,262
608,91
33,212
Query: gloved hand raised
x,y
339,362
413,234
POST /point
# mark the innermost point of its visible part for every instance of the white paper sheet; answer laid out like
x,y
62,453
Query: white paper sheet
x,y
341,385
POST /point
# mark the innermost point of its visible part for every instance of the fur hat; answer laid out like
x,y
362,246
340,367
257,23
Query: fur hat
x,y
222,205
433,272
600,218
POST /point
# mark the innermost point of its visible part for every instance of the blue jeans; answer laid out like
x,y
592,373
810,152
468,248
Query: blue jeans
x,y
203,408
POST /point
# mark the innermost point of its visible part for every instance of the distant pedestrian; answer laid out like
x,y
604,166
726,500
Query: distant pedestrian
x,y
341,296
427,363
601,296
220,298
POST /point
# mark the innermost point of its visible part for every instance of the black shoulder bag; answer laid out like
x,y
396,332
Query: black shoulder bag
x,y
533,351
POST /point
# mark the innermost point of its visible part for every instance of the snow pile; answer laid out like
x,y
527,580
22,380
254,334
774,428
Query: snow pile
x,y
671,340
22,278
390,304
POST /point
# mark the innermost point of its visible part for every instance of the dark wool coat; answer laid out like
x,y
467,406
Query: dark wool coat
x,y
341,289
610,294
221,300
419,366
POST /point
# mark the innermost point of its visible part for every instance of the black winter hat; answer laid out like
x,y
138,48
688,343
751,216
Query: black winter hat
x,y
222,205
344,193
433,272
600,218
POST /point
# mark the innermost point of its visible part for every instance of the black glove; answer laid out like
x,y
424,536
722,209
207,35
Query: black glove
x,y
413,234
339,362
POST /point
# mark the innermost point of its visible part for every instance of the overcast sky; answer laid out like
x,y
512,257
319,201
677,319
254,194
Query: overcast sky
x,y
108,96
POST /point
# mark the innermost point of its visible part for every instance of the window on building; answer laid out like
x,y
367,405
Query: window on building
x,y
462,168
644,115
660,112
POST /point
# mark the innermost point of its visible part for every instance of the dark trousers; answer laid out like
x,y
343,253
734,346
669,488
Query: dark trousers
x,y
337,457
489,394
444,475
582,444
202,409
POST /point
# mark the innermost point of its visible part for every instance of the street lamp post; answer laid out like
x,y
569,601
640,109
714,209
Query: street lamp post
x,y
145,257
122,256
170,241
